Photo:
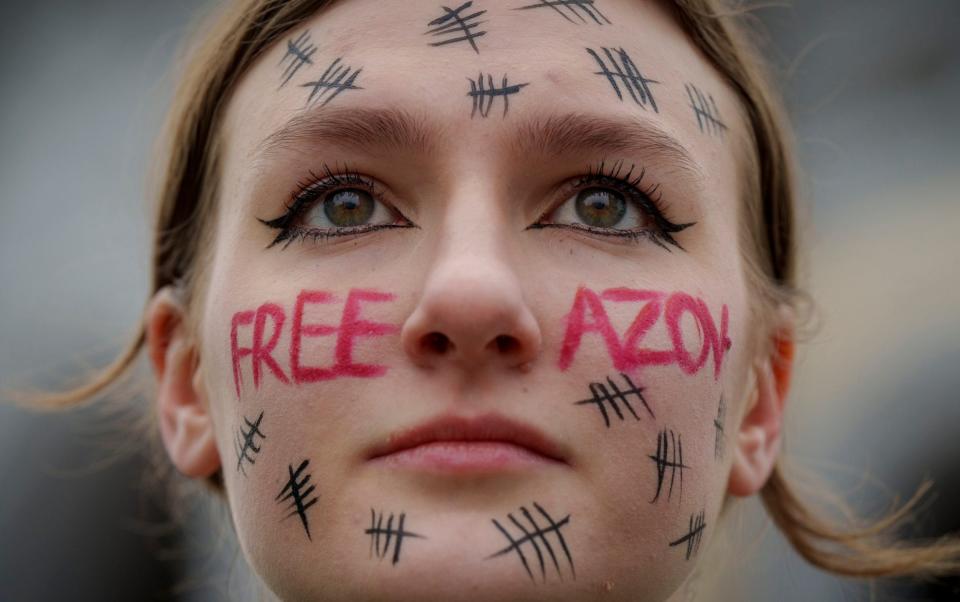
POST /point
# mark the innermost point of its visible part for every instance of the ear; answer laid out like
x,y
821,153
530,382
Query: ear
x,y
185,422
759,435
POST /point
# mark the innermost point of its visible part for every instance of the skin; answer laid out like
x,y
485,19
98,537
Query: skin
x,y
473,271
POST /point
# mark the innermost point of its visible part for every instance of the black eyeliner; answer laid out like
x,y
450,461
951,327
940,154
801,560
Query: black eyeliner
x,y
647,198
307,194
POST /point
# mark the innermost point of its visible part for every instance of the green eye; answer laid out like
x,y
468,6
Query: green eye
x,y
600,208
348,208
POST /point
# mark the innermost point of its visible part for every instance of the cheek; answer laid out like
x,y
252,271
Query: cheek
x,y
287,378
288,370
316,336
656,373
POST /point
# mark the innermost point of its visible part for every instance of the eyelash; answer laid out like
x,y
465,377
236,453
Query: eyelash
x,y
316,187
647,198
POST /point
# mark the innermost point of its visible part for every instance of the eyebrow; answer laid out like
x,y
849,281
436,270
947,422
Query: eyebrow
x,y
362,129
376,130
577,132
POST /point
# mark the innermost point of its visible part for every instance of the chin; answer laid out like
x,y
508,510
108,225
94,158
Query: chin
x,y
459,576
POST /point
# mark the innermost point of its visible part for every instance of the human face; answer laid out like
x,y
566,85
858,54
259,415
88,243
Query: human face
x,y
476,309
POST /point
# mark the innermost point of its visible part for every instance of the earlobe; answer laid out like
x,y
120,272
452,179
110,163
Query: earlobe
x,y
186,427
759,435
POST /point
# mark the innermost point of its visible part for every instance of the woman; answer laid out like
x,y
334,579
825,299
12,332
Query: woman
x,y
489,301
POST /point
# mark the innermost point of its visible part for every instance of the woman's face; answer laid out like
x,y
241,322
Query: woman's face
x,y
476,317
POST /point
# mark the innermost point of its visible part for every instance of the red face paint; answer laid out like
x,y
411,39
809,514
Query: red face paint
x,y
351,328
301,373
629,355
680,303
262,353
577,326
241,318
645,320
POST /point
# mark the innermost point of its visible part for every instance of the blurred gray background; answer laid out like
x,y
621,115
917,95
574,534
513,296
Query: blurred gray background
x,y
874,92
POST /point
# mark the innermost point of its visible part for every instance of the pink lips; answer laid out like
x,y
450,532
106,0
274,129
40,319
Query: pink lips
x,y
456,444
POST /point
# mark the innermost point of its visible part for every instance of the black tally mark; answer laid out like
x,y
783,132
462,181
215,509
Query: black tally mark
x,y
705,108
246,443
483,96
299,51
693,536
577,8
602,396
669,456
387,532
718,427
334,80
457,27
627,74
531,532
300,500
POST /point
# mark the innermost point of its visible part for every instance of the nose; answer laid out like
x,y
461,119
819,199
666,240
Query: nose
x,y
472,314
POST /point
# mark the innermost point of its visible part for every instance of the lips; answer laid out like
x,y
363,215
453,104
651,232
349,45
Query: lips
x,y
458,444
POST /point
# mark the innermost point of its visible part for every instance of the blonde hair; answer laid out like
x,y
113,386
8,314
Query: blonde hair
x,y
188,192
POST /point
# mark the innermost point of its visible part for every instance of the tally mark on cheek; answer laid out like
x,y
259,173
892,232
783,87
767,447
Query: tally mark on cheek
x,y
483,96
602,396
457,27
388,533
530,533
584,6
669,455
718,427
300,498
246,443
705,108
628,75
693,536
334,80
299,51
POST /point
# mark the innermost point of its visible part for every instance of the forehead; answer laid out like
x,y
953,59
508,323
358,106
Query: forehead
x,y
484,75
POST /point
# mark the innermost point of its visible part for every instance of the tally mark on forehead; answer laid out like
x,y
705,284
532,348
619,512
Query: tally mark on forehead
x,y
456,27
705,108
577,7
627,74
334,80
483,96
299,51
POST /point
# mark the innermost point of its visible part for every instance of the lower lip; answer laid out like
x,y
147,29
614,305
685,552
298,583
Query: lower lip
x,y
467,457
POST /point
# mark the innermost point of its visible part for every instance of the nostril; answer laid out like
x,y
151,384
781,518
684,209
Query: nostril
x,y
507,344
436,342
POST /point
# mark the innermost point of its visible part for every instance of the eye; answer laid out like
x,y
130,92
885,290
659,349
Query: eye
x,y
338,204
604,203
599,208
347,208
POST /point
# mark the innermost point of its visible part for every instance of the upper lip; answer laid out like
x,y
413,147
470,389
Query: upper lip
x,y
488,427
